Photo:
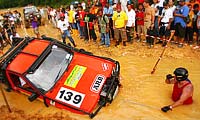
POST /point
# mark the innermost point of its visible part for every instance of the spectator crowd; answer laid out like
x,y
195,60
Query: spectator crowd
x,y
121,21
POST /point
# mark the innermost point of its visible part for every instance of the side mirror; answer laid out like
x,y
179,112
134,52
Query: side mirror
x,y
33,97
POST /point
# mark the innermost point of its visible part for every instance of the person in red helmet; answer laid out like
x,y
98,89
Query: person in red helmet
x,y
182,90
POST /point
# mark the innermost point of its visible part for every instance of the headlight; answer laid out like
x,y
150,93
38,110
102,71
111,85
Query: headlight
x,y
38,16
27,17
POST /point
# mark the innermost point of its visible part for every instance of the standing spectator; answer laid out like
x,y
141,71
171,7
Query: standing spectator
x,y
35,26
108,11
53,16
7,27
180,23
18,19
43,17
198,27
48,14
83,5
160,5
148,20
195,22
77,18
82,23
140,21
172,7
103,2
119,25
104,29
71,17
189,28
89,30
63,26
130,23
155,5
165,22
14,37
2,37
123,5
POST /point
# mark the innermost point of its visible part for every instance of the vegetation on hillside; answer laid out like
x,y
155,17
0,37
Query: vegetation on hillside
x,y
22,3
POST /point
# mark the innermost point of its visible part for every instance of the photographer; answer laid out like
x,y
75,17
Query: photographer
x,y
182,90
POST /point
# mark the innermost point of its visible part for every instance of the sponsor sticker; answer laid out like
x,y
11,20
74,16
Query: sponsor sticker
x,y
70,97
74,77
105,66
98,83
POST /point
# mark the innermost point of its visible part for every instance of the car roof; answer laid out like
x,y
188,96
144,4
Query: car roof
x,y
28,56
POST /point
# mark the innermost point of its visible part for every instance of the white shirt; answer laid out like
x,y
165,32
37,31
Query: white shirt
x,y
53,13
173,8
166,15
63,25
131,18
160,3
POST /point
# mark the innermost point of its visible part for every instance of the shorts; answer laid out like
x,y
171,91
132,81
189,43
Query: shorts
x,y
140,29
172,26
179,31
164,32
36,30
120,32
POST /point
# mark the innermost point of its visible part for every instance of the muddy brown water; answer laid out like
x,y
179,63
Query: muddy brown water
x,y
142,94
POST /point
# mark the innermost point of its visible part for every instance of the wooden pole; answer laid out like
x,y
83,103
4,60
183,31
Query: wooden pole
x,y
154,68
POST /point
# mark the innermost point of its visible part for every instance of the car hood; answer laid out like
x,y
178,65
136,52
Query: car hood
x,y
84,78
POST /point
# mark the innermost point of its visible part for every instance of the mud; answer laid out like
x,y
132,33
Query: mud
x,y
142,94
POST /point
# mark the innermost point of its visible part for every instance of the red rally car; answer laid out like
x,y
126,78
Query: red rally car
x,y
61,75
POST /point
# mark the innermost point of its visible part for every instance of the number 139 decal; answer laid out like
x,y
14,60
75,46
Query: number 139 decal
x,y
70,97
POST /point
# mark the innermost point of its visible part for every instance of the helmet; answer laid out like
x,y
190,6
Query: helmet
x,y
181,74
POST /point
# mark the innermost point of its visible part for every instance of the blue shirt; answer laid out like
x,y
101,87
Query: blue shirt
x,y
184,10
108,11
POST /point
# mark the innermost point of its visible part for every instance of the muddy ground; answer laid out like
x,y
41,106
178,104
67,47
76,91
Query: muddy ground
x,y
142,94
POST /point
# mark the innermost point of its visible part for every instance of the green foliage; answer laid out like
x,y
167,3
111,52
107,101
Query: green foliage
x,y
22,3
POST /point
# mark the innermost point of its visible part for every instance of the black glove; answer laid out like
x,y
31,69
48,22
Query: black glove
x,y
169,76
166,108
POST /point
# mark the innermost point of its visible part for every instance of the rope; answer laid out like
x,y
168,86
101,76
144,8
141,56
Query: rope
x,y
151,36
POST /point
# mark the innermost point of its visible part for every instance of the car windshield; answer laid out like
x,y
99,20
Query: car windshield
x,y
51,69
30,10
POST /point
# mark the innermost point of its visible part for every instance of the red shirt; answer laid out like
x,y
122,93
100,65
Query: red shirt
x,y
103,2
177,92
140,1
81,16
140,14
